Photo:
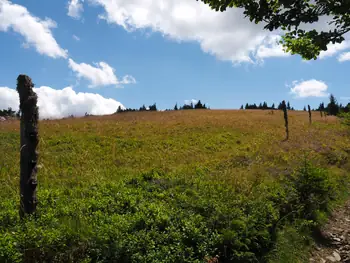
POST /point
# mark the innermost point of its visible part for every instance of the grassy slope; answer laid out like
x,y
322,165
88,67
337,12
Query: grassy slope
x,y
206,158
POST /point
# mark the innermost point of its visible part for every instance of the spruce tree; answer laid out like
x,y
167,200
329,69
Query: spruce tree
x,y
280,106
333,107
198,105
264,106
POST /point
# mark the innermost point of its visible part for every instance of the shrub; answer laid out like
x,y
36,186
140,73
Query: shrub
x,y
345,118
159,217
315,190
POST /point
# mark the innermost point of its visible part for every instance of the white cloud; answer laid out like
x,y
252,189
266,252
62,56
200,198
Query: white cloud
x,y
76,38
75,8
101,75
344,57
270,47
333,49
227,35
9,98
62,103
36,32
309,88
188,102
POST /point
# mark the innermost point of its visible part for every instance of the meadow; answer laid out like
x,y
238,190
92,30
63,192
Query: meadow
x,y
177,186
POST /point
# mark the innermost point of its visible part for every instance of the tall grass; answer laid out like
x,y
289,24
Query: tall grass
x,y
172,187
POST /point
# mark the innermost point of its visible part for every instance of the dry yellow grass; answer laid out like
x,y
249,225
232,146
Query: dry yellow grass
x,y
109,146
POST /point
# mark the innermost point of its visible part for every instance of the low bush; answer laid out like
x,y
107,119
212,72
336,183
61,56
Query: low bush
x,y
158,217
345,118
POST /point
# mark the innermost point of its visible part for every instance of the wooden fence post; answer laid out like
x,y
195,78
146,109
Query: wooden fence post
x,y
29,142
285,115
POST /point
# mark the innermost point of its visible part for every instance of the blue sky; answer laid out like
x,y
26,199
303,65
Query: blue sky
x,y
141,51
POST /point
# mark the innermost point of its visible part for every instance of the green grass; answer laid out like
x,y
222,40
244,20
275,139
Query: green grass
x,y
174,187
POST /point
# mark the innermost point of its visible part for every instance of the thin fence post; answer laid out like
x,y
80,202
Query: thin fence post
x,y
285,115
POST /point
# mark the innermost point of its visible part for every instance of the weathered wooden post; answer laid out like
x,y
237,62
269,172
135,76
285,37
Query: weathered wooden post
x,y
285,115
309,109
29,142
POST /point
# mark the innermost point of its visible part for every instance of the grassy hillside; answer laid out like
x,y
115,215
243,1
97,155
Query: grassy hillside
x,y
180,186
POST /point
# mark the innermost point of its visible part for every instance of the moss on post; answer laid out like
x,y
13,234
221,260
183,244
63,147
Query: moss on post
x,y
285,115
29,142
309,109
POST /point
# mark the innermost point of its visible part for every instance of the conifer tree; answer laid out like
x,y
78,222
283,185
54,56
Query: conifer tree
x,y
333,107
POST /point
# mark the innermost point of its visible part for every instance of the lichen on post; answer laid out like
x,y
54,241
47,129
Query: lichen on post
x,y
285,115
29,142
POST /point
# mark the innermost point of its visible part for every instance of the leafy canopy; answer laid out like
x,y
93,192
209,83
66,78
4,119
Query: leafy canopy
x,y
290,15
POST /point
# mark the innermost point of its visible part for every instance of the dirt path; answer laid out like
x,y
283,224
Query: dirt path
x,y
336,245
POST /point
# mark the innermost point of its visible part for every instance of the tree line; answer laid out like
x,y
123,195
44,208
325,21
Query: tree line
x,y
264,106
153,107
332,108
9,113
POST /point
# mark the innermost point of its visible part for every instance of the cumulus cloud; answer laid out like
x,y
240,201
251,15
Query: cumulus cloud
x,y
75,8
228,35
55,104
36,32
344,57
9,98
309,88
100,75
270,47
333,49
